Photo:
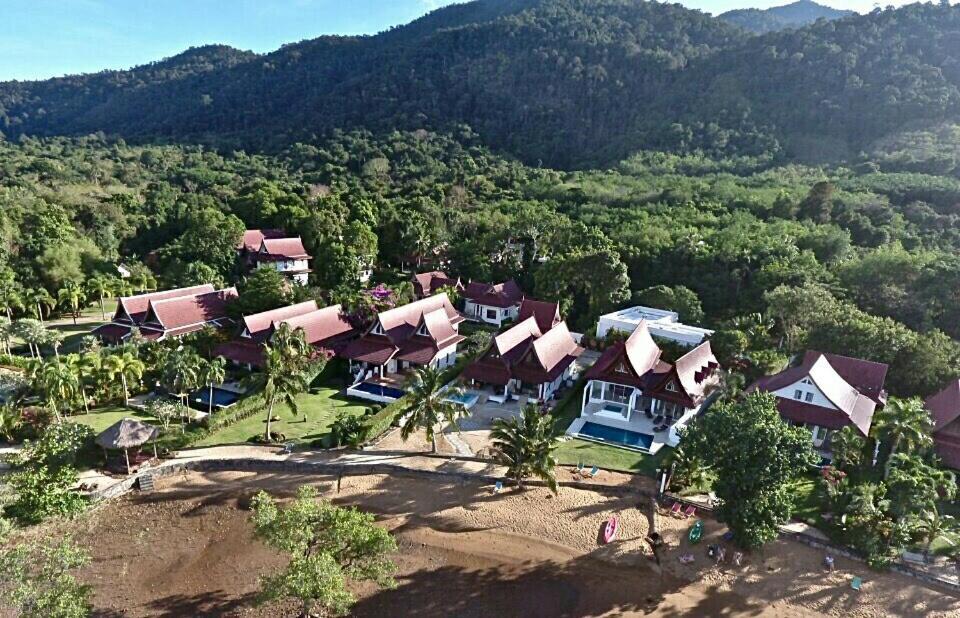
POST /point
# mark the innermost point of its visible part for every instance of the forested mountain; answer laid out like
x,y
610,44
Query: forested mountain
x,y
569,83
793,15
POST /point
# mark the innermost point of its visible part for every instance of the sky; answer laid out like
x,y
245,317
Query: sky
x,y
48,38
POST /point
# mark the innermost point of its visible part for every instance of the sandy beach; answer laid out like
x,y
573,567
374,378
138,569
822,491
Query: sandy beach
x,y
187,549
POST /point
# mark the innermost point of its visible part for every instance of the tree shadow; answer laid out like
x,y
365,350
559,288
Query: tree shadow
x,y
205,604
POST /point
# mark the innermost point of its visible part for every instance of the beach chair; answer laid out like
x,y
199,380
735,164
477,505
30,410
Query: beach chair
x,y
675,509
579,471
593,472
856,583
690,511
498,487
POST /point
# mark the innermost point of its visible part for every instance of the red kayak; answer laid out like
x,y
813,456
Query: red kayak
x,y
610,529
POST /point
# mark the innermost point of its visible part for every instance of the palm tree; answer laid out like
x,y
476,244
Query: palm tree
x,y
430,404
181,372
525,446
905,423
101,286
291,343
85,366
847,446
128,367
40,298
10,300
214,372
71,296
60,384
279,381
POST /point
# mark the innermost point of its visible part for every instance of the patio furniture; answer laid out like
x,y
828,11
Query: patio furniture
x,y
498,487
856,583
690,511
658,419
648,413
579,468
593,472
675,509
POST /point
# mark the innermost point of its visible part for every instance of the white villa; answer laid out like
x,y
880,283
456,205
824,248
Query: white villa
x,y
634,399
661,323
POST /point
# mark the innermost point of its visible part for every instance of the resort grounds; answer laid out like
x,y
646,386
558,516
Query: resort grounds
x,y
187,549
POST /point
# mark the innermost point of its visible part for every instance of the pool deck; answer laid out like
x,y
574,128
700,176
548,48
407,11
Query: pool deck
x,y
638,423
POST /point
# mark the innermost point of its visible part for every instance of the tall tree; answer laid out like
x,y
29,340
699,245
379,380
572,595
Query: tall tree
x,y
429,404
59,384
525,445
214,372
71,296
127,367
101,286
754,455
280,382
903,424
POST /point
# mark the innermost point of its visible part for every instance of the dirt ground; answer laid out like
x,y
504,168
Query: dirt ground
x,y
187,550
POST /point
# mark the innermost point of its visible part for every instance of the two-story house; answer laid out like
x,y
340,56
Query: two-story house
x,y
492,303
827,392
430,283
635,399
945,409
166,313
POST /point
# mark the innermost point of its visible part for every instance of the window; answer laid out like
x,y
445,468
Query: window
x,y
378,329
621,368
671,387
798,394
808,397
806,381
491,314
618,393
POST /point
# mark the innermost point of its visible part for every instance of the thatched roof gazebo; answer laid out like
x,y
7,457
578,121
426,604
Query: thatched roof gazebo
x,y
125,434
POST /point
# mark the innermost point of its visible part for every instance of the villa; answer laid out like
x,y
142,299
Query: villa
x,y
428,284
274,249
492,304
660,323
323,329
170,313
422,333
635,399
526,361
827,392
945,409
547,315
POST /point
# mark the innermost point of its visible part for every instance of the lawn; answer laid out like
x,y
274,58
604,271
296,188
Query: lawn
x,y
101,418
321,407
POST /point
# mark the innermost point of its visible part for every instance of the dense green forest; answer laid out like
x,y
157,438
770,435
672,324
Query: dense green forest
x,y
564,83
793,15
855,261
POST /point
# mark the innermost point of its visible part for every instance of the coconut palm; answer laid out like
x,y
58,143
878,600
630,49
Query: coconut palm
x,y
101,286
847,446
525,446
278,381
214,372
40,298
905,424
127,367
430,404
291,343
86,366
71,296
59,384
10,299
180,373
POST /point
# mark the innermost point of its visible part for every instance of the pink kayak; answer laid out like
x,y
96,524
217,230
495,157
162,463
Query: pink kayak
x,y
610,529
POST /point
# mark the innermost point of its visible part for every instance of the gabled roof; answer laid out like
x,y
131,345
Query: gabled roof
x,y
283,248
135,307
321,326
524,353
546,314
695,368
506,294
175,315
945,406
854,399
252,239
258,325
555,346
425,284
515,336
396,321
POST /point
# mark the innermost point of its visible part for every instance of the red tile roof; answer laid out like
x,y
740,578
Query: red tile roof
x,y
695,369
135,307
282,249
176,315
323,326
259,325
637,356
945,409
524,353
373,349
501,295
546,314
427,284
111,333
854,406
242,352
252,239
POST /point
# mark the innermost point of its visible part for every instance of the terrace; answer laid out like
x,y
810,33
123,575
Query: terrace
x,y
612,415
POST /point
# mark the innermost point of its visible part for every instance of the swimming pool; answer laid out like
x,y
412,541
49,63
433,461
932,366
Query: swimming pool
x,y
221,398
465,399
602,433
379,390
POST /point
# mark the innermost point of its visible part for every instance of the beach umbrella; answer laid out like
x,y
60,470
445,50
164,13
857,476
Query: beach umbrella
x,y
125,434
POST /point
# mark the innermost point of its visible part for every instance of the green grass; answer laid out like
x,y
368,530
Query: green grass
x,y
101,418
806,500
575,451
321,407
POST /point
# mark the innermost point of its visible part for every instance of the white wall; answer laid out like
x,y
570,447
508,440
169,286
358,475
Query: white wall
x,y
818,399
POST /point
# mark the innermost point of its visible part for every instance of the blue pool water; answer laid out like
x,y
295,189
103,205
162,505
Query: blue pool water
x,y
616,436
221,398
379,390
465,399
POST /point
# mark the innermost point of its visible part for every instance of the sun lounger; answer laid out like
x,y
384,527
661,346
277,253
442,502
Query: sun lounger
x,y
690,511
675,509
856,583
579,468
593,471
498,487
